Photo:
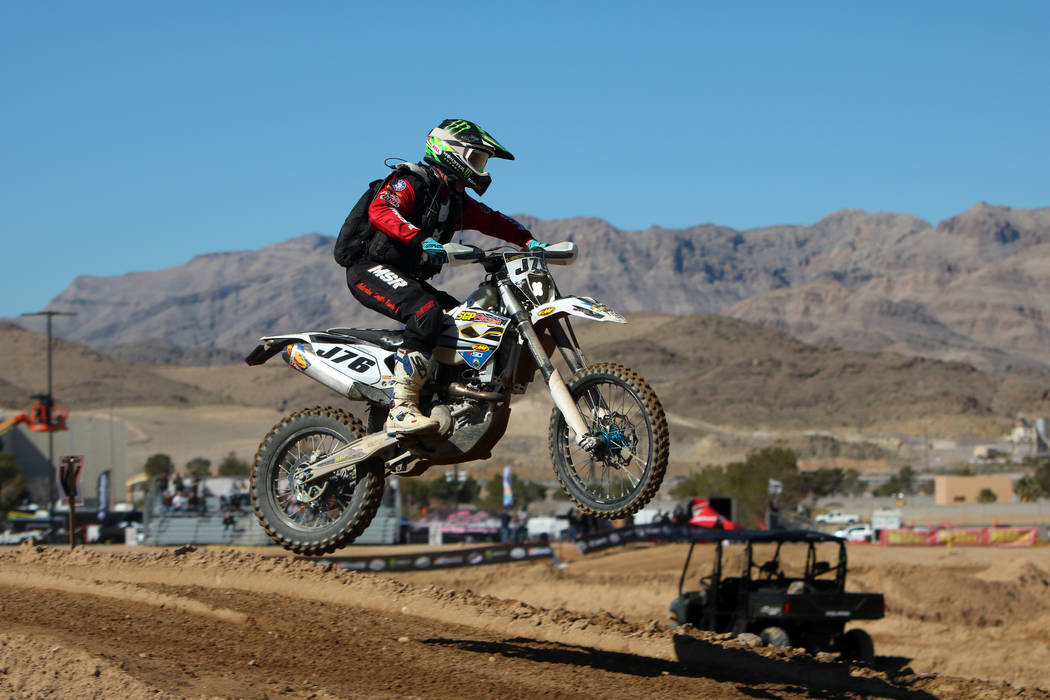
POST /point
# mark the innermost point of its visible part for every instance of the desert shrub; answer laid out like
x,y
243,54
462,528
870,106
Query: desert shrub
x,y
12,485
1041,474
198,466
524,492
419,493
1027,489
901,482
987,496
830,481
232,465
158,464
748,483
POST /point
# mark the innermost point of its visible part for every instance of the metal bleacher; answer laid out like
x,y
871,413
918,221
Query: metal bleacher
x,y
178,528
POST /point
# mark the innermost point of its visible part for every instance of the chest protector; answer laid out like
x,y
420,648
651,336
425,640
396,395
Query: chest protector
x,y
439,215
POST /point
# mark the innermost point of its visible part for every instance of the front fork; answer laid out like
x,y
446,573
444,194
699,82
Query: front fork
x,y
559,392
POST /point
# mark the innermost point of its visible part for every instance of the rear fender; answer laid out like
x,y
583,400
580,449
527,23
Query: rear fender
x,y
272,345
583,307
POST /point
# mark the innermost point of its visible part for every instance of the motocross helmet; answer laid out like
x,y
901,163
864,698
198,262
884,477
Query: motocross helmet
x,y
462,149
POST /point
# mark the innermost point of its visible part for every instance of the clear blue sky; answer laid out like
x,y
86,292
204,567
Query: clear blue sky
x,y
135,135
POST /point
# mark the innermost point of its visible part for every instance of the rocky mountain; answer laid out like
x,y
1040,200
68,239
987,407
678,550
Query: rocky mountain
x,y
707,369
974,288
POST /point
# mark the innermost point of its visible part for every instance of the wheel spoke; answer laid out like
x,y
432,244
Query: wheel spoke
x,y
628,461
316,505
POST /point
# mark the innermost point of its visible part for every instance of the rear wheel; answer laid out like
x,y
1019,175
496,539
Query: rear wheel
x,y
320,516
856,645
624,472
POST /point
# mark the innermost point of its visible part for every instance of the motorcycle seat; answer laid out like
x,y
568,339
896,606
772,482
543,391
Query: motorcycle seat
x,y
386,339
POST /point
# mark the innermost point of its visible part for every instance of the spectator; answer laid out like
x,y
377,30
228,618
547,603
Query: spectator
x,y
205,493
521,520
680,521
504,526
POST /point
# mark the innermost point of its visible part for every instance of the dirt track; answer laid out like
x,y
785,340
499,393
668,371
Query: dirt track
x,y
223,623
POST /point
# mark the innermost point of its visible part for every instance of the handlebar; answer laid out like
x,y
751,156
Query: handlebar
x,y
555,254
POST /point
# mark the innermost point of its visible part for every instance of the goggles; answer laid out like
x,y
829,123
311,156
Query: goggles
x,y
477,159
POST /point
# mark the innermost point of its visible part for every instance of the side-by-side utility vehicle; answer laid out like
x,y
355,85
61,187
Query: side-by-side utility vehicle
x,y
782,586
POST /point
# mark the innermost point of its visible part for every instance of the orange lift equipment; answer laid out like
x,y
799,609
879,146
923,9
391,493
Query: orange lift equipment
x,y
42,417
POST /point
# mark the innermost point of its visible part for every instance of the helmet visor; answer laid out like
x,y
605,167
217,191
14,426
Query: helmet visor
x,y
477,159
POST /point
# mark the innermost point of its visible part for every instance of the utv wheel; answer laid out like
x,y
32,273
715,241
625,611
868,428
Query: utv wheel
x,y
624,472
776,637
856,645
321,516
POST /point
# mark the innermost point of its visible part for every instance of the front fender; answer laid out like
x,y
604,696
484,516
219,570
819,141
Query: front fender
x,y
584,307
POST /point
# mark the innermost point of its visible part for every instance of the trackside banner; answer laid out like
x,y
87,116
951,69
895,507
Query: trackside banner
x,y
637,533
967,536
478,556
669,532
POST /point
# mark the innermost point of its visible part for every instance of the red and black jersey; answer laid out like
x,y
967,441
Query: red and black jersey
x,y
405,212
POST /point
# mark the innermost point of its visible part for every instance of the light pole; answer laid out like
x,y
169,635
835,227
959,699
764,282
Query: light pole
x,y
49,403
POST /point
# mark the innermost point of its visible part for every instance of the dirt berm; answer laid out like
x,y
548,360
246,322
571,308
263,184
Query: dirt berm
x,y
192,623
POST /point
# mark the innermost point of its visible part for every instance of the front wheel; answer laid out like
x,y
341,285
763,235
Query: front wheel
x,y
321,516
625,470
776,637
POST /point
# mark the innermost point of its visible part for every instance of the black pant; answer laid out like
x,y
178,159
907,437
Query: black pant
x,y
384,288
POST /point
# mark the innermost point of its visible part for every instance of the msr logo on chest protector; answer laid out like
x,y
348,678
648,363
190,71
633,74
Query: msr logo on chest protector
x,y
388,276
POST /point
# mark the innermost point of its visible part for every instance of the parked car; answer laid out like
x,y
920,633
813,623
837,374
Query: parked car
x,y
9,537
837,517
861,532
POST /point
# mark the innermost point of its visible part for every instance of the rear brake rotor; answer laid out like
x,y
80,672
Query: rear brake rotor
x,y
305,492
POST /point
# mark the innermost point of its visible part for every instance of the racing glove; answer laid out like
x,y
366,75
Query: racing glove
x,y
533,244
434,253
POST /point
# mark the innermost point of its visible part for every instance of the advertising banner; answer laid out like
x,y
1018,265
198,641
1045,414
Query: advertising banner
x,y
961,537
478,556
667,532
103,495
508,495
1012,536
72,466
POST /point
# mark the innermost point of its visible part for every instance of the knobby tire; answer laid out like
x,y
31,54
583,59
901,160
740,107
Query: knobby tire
x,y
656,432
366,495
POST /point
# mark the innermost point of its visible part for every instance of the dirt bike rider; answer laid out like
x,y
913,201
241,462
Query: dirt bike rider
x,y
419,208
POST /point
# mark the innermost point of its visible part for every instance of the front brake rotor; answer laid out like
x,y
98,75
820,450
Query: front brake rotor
x,y
615,435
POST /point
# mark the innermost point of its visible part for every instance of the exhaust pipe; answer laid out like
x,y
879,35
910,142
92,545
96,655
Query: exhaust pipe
x,y
465,392
300,356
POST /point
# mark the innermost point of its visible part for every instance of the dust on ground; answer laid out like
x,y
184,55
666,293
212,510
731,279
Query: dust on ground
x,y
187,622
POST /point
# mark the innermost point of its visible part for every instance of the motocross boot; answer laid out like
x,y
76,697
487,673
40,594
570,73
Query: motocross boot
x,y
410,371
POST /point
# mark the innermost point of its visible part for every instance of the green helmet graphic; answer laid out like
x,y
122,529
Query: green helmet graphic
x,y
462,149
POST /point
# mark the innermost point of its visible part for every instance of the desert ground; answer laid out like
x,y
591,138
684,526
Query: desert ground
x,y
143,622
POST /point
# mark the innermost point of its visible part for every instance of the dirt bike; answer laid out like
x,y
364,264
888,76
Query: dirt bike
x,y
319,474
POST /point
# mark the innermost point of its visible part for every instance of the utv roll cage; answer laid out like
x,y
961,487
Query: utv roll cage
x,y
816,572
